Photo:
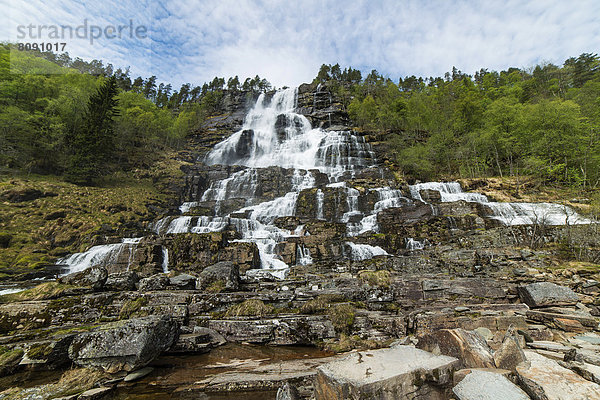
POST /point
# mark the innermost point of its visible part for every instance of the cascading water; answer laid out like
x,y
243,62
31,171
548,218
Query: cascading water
x,y
507,213
99,255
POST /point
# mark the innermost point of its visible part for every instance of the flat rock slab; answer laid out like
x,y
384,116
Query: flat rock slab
x,y
550,346
544,379
484,385
402,372
544,294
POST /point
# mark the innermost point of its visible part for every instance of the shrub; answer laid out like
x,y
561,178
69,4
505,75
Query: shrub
x,y
341,316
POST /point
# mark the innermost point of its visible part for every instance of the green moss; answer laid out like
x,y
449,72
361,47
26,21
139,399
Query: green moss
x,y
131,307
5,239
351,342
249,308
39,351
341,316
10,357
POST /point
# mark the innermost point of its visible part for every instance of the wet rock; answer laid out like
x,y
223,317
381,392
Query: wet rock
x,y
200,340
287,392
543,294
154,282
225,273
49,354
545,379
397,373
94,277
467,346
125,345
484,385
95,394
122,281
183,282
510,354
139,374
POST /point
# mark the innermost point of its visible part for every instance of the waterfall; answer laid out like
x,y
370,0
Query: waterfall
x,y
509,213
412,244
320,198
303,255
359,252
99,255
165,259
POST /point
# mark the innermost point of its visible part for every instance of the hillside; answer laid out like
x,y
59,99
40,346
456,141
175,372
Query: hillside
x,y
286,226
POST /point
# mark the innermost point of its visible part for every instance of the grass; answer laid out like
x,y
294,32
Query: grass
x,y
342,317
381,278
250,308
320,303
45,291
33,234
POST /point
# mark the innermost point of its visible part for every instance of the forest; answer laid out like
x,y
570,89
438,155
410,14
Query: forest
x,y
50,104
542,121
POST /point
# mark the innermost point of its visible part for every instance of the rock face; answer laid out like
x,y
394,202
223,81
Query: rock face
x,y
544,379
510,354
125,345
94,278
122,281
483,385
225,273
154,282
468,346
543,294
402,372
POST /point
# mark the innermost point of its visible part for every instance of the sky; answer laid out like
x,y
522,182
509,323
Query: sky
x,y
287,41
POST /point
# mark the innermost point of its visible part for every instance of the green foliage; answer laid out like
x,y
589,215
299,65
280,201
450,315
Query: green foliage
x,y
91,147
321,303
544,121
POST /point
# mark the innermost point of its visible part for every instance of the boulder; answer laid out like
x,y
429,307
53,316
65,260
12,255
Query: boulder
x,y
287,392
467,346
125,345
543,294
544,379
510,354
139,374
122,281
484,385
183,281
402,372
154,282
200,340
94,277
225,272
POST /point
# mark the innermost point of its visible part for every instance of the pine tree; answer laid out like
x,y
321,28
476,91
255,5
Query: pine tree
x,y
92,147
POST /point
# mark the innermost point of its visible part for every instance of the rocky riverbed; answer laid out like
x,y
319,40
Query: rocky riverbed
x,y
315,272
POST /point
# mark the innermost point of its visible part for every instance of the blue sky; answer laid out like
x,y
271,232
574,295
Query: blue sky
x,y
287,41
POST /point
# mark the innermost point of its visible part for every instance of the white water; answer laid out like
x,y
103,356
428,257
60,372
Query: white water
x,y
359,252
412,244
320,198
165,260
99,255
303,256
507,213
